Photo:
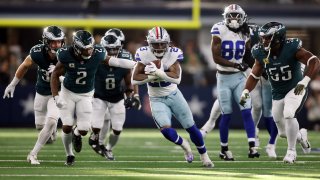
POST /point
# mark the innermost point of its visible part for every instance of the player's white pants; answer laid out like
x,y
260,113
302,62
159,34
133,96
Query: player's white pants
x,y
261,100
117,113
44,106
285,109
79,104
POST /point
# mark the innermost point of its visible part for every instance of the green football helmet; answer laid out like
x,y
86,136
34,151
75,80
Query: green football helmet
x,y
83,44
52,33
272,34
112,44
116,32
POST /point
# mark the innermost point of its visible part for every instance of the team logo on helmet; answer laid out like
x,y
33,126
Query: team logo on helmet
x,y
234,16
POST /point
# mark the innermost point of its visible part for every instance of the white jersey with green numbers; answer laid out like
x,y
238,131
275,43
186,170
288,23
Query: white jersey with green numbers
x,y
284,71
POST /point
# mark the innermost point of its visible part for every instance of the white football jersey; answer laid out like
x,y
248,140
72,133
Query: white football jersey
x,y
232,45
160,87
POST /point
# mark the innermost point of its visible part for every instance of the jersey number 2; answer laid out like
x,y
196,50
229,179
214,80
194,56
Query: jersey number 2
x,y
230,50
82,75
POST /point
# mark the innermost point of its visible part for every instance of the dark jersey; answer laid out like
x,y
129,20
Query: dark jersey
x,y
40,56
80,74
108,80
284,71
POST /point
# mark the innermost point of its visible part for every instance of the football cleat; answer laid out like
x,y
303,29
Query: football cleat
x,y
109,155
32,159
50,140
77,143
94,143
290,157
188,156
69,161
253,153
206,161
271,151
226,155
305,144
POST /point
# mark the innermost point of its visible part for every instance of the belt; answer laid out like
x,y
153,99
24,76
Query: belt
x,y
226,72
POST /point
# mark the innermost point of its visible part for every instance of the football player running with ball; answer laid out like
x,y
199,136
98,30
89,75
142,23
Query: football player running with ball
x,y
79,62
281,57
165,98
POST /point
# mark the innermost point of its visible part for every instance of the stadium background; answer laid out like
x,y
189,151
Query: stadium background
x,y
188,22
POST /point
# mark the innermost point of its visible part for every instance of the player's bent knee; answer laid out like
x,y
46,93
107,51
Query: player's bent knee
x,y
51,122
115,132
67,129
39,126
289,114
83,133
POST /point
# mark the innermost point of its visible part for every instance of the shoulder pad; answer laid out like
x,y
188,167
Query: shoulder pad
x,y
61,53
176,53
217,29
256,50
39,48
144,55
294,43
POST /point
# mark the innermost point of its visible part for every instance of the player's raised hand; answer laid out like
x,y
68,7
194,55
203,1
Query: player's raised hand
x,y
244,96
8,93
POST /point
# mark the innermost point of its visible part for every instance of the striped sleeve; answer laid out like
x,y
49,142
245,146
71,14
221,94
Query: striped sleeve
x,y
215,31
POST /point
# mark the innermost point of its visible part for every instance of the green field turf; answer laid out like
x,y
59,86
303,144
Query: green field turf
x,y
145,154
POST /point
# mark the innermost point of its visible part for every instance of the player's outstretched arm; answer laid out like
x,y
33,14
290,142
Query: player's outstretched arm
x,y
173,74
54,82
312,68
21,71
139,77
119,62
251,82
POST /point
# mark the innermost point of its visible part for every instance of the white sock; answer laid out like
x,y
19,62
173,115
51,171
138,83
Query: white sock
x,y
214,115
104,131
113,139
67,142
44,135
292,130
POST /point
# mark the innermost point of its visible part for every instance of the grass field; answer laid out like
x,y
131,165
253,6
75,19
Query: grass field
x,y
145,154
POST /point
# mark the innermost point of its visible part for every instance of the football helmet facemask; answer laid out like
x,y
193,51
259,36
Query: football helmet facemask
x,y
116,32
158,40
52,33
112,44
272,34
234,16
83,44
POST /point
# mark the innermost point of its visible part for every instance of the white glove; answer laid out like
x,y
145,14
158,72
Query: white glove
x,y
51,68
61,78
150,68
8,92
59,102
244,96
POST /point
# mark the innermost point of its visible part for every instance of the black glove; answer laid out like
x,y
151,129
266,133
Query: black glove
x,y
136,102
241,66
128,102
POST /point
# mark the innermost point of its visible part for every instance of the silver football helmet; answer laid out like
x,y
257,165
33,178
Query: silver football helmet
x,y
234,16
158,40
